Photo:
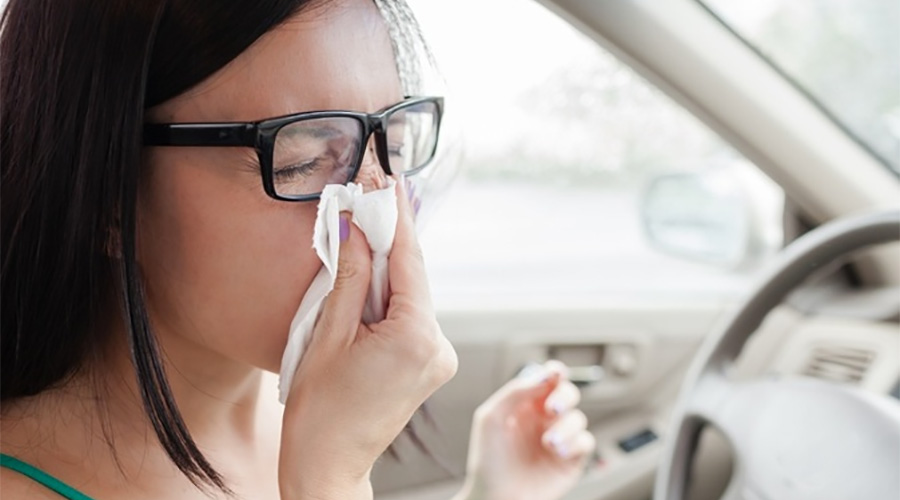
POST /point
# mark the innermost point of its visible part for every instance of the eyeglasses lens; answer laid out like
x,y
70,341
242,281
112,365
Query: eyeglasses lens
x,y
411,137
312,153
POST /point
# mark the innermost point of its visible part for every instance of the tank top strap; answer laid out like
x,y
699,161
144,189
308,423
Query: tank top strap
x,y
42,477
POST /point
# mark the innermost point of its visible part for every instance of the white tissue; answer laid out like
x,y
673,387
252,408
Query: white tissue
x,y
375,213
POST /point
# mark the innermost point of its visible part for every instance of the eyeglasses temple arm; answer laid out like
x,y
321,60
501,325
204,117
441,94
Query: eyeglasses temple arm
x,y
200,134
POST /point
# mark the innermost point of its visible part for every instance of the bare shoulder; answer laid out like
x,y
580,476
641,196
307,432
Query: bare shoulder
x,y
18,431
16,486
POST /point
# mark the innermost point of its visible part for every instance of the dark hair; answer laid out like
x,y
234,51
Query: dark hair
x,y
75,79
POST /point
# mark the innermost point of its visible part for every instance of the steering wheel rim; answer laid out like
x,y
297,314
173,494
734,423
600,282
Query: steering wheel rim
x,y
706,390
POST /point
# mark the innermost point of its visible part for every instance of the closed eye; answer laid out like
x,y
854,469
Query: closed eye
x,y
295,171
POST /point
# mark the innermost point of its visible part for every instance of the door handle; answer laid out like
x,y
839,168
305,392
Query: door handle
x,y
583,376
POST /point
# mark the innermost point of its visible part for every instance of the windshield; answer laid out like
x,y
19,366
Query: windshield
x,y
845,54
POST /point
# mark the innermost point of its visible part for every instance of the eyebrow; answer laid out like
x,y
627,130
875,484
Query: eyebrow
x,y
320,132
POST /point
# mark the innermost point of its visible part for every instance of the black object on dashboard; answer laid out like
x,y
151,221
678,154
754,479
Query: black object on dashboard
x,y
635,441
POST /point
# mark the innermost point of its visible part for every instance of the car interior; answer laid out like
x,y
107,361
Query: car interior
x,y
748,344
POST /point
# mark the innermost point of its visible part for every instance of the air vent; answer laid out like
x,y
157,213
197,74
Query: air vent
x,y
839,364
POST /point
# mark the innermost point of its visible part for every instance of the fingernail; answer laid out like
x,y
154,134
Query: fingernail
x,y
417,204
534,373
344,228
555,407
555,441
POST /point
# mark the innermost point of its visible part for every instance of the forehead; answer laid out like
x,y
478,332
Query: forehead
x,y
336,55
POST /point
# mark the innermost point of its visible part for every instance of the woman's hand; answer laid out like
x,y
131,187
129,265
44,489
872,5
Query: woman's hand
x,y
359,385
528,440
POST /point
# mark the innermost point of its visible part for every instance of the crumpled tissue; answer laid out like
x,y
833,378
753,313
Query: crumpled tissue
x,y
375,213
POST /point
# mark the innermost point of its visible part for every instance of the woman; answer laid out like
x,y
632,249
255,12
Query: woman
x,y
150,272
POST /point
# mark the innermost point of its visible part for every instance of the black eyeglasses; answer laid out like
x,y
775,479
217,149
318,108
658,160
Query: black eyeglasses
x,y
299,154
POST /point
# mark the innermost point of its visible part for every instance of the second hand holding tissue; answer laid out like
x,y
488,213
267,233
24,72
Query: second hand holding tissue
x,y
359,384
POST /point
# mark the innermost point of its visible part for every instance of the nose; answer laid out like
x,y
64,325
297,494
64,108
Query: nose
x,y
371,176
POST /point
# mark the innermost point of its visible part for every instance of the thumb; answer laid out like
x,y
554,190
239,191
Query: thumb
x,y
342,312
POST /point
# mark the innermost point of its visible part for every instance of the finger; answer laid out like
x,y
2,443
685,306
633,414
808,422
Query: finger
x,y
532,386
558,438
406,267
533,382
554,365
564,397
342,312
577,447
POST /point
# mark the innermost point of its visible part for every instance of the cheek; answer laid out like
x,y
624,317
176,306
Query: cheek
x,y
224,265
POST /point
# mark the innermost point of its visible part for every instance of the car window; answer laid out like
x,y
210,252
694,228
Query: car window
x,y
844,53
579,178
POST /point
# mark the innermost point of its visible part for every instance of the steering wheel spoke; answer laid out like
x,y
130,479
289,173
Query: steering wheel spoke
x,y
726,405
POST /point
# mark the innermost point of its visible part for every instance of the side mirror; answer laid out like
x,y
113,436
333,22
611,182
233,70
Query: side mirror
x,y
728,217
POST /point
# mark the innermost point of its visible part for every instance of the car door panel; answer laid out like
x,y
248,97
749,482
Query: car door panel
x,y
493,345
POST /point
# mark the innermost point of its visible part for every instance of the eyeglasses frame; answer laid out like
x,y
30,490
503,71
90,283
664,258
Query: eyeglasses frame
x,y
261,134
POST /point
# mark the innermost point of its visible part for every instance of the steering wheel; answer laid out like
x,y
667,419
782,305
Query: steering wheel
x,y
792,438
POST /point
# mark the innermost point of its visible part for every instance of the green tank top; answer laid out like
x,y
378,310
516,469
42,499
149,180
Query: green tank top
x,y
42,477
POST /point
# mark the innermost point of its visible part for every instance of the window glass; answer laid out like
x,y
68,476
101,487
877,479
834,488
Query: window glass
x,y
578,178
844,53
